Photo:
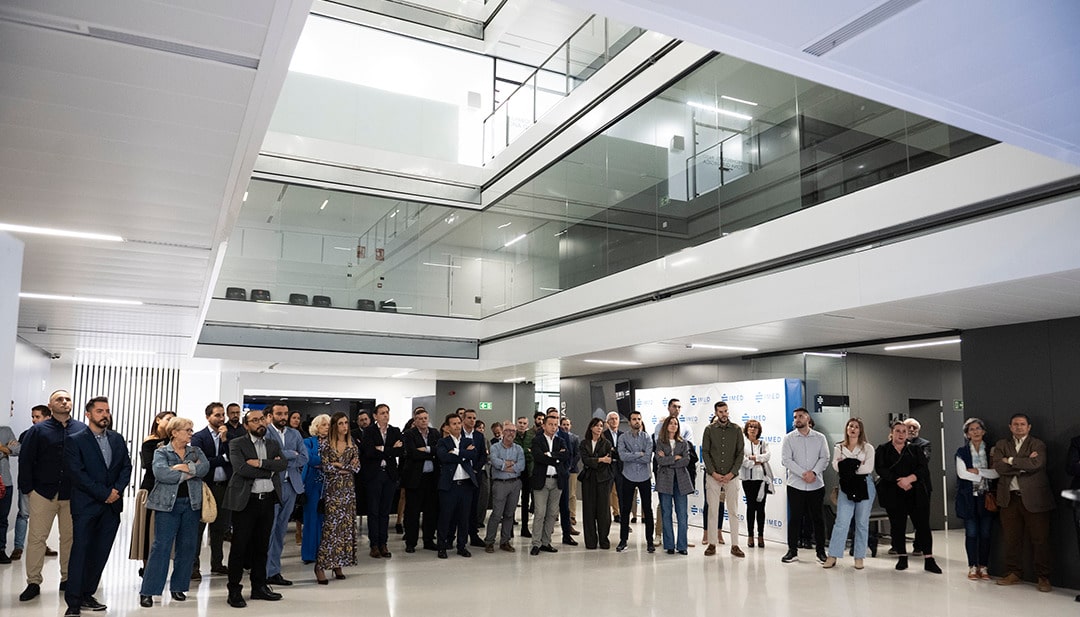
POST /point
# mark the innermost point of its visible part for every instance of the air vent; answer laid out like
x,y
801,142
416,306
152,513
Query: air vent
x,y
854,28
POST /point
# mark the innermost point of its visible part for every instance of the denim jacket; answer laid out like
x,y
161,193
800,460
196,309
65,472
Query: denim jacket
x,y
163,495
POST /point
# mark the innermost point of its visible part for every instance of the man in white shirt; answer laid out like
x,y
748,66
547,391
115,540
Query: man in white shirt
x,y
805,456
457,482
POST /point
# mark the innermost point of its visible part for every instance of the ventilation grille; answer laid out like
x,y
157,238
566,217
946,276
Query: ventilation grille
x,y
137,391
863,23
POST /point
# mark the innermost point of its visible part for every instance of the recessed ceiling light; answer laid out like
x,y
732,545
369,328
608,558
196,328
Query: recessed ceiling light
x,y
744,102
428,263
129,352
515,240
403,373
36,296
550,289
323,206
245,195
824,354
723,112
615,362
916,345
515,380
724,347
506,224
60,233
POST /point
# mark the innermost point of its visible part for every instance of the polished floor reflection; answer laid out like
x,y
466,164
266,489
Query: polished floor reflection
x,y
579,582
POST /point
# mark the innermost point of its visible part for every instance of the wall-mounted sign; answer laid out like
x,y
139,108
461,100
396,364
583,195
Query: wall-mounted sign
x,y
484,406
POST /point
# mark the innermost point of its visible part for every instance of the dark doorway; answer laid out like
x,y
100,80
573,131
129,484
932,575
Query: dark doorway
x,y
928,413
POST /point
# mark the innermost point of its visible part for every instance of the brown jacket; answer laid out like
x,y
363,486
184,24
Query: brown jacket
x,y
1029,471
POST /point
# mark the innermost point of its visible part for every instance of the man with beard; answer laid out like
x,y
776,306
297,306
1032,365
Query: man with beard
x,y
380,448
214,442
420,478
254,489
98,462
295,454
42,477
805,456
722,449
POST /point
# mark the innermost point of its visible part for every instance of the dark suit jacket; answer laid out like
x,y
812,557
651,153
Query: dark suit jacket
x,y
616,464
241,450
595,471
1072,467
1029,472
91,481
558,456
412,464
449,460
371,459
204,441
481,451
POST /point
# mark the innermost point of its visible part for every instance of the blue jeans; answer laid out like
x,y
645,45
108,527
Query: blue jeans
x,y
179,526
845,510
977,535
670,542
22,519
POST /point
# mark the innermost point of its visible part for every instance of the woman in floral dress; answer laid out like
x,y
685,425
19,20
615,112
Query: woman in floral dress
x,y
340,461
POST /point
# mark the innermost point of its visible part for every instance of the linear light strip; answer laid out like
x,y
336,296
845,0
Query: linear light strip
x,y
723,112
60,233
615,362
917,345
37,296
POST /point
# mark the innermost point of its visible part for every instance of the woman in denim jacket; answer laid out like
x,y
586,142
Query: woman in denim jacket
x,y
673,484
177,501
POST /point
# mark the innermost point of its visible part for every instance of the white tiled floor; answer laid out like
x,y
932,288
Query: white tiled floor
x,y
579,582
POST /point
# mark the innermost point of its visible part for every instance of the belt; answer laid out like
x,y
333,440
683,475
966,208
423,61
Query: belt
x,y
1014,492
462,482
552,476
505,479
262,496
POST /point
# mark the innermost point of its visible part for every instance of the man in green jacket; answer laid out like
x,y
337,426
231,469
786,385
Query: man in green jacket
x,y
722,449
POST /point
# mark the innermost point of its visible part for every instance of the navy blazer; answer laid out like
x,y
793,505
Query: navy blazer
x,y
371,459
449,460
204,440
91,481
559,456
481,450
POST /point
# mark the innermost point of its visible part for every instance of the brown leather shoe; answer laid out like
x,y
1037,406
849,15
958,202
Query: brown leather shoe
x,y
1044,584
375,553
710,550
50,553
384,552
506,546
737,552
16,554
1011,579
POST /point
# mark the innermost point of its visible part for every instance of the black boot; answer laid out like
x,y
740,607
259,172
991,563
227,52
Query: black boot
x,y
901,562
931,566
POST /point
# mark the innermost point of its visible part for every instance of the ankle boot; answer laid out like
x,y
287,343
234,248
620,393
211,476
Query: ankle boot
x,y
901,562
931,566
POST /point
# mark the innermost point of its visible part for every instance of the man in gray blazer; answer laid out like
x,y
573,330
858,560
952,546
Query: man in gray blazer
x,y
1025,499
254,489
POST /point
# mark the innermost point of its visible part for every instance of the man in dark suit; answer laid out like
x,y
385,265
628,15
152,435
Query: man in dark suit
x,y
214,442
522,439
98,462
457,482
363,420
380,447
550,455
420,478
1025,502
254,489
469,431
566,515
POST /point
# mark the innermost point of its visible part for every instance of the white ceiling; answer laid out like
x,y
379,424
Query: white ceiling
x,y
1009,70
124,138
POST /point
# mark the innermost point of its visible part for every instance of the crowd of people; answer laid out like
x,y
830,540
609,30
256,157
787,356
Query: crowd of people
x,y
246,476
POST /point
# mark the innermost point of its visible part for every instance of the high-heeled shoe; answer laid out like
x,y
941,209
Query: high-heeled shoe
x,y
338,575
320,576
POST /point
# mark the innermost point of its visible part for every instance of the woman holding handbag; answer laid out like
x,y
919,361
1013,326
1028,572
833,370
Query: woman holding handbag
x,y
853,459
973,487
596,478
176,500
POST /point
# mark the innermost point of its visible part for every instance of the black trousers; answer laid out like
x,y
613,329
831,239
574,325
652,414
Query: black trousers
x,y
596,513
422,501
526,494
251,541
626,500
755,510
474,507
92,535
454,505
380,495
805,503
918,510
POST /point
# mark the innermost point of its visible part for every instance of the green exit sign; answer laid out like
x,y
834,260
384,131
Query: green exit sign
x,y
485,405
958,405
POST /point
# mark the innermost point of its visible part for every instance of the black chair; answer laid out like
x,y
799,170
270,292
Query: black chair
x,y
363,304
298,299
235,293
260,295
388,307
323,301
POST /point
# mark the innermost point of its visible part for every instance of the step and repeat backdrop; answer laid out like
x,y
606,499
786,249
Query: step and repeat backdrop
x,y
769,401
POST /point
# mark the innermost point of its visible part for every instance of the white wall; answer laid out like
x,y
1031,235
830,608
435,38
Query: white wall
x,y
200,384
31,385
11,255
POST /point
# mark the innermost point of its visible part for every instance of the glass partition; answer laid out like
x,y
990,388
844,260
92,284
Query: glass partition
x,y
727,147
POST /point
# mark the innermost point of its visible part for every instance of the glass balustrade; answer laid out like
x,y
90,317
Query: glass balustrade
x,y
727,147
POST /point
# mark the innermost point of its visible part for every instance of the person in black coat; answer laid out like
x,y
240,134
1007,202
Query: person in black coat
x,y
420,479
457,482
596,476
380,447
903,490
